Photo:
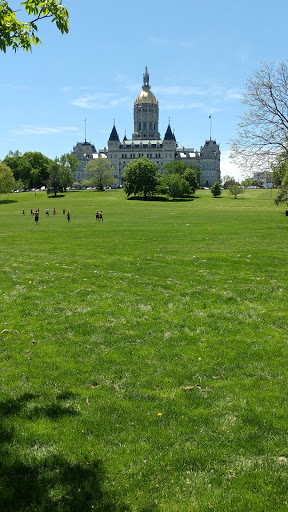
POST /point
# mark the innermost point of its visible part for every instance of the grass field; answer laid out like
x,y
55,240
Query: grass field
x,y
144,359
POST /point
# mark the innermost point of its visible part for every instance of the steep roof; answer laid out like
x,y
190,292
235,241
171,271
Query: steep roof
x,y
169,135
114,135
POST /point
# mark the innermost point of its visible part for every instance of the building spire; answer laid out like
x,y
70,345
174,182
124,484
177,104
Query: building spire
x,y
114,137
146,80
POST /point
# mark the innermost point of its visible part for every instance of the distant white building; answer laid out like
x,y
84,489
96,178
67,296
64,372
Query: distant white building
x,y
146,142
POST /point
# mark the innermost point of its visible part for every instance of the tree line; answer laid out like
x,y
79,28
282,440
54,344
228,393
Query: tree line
x,y
34,170
142,177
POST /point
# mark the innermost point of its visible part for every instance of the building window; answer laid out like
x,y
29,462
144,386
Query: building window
x,y
139,126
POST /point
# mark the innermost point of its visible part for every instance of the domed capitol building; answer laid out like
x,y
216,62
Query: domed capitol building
x,y
146,142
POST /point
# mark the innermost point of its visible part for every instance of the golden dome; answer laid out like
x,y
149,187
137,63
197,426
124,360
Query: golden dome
x,y
146,96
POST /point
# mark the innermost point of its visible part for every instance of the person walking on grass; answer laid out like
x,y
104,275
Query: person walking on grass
x,y
101,216
36,216
68,216
23,211
97,215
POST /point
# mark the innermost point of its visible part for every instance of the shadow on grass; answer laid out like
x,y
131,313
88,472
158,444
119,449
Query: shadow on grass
x,y
161,199
150,508
182,199
46,483
54,483
54,410
56,197
8,201
150,198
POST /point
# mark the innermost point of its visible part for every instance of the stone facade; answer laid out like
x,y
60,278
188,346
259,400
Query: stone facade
x,y
146,142
83,151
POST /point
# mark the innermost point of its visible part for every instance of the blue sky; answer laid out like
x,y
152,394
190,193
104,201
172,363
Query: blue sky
x,y
198,55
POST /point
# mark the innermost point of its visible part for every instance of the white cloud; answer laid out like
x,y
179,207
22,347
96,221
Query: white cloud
x,y
16,87
159,41
44,130
99,101
176,105
120,77
233,94
66,88
178,90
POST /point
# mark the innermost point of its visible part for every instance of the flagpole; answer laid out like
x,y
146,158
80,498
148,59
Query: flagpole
x,y
85,127
210,117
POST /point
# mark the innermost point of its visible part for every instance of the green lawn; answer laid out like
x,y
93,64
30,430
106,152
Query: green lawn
x,y
144,359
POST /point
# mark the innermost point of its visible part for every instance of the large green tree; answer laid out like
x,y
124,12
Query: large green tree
x,y
68,166
192,176
140,177
20,167
54,183
7,181
175,167
190,172
100,173
19,34
32,168
174,185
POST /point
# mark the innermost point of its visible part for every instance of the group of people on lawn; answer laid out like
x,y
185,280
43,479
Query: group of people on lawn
x,y
99,214
37,212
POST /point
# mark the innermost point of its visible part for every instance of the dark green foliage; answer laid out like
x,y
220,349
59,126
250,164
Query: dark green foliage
x,y
54,183
140,177
175,167
174,185
32,168
190,172
216,189
192,177
68,165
